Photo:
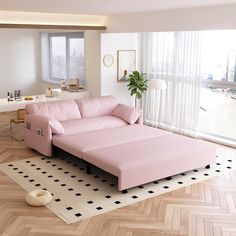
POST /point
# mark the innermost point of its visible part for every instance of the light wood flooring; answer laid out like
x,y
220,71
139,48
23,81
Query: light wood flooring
x,y
204,209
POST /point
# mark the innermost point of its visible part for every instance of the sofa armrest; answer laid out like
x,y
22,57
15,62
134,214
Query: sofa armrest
x,y
38,124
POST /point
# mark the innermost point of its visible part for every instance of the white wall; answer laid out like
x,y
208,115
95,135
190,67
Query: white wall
x,y
19,61
93,62
202,18
110,44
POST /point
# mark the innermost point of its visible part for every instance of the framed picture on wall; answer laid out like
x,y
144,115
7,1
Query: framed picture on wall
x,y
126,63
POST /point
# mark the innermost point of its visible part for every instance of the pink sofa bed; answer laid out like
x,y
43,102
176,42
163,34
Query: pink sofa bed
x,y
111,136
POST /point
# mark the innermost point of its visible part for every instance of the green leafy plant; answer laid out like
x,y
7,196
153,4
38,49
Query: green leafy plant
x,y
137,84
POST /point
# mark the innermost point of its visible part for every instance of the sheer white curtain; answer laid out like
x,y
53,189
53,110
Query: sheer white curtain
x,y
175,58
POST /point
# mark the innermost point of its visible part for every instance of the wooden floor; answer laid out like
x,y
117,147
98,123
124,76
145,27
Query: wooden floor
x,y
204,209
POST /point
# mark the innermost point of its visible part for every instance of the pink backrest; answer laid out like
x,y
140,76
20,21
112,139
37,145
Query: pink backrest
x,y
59,110
97,106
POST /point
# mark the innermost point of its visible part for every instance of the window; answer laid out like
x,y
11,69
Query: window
x,y
63,57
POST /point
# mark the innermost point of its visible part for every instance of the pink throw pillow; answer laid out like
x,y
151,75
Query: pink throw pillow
x,y
127,113
56,127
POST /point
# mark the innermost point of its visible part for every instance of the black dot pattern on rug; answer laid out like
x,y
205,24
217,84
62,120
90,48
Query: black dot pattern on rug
x,y
20,172
150,191
70,189
117,202
218,164
90,202
31,180
217,170
69,208
44,172
156,182
27,162
63,185
66,172
78,214
33,165
193,178
80,180
169,178
26,176
78,194
10,165
183,174
206,174
134,197
141,186
180,182
95,189
37,185
104,180
48,161
107,196
15,168
50,176
73,176
112,185
38,168
99,208
54,165
195,170
87,185
56,180
96,176
229,160
166,187
60,168
228,167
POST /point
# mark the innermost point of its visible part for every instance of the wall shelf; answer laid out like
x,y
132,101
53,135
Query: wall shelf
x,y
44,26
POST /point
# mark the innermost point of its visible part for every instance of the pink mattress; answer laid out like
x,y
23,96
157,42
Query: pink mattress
x,y
78,144
138,154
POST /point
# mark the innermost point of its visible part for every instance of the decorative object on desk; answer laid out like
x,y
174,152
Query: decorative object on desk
x,y
11,97
48,92
126,62
73,85
17,95
108,60
63,84
28,98
137,84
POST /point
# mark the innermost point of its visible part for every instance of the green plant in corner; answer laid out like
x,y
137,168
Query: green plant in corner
x,y
137,84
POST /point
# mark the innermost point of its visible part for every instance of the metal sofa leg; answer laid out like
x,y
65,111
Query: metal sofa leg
x,y
88,168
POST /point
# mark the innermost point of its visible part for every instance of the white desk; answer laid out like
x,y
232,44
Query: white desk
x,y
14,105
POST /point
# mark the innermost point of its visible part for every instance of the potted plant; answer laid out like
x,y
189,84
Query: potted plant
x,y
137,85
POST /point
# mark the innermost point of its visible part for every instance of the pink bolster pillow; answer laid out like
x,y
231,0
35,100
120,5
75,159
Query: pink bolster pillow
x,y
127,113
56,127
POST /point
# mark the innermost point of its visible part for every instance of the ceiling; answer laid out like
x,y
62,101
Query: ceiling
x,y
103,7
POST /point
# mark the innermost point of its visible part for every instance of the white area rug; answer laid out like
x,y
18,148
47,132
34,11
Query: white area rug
x,y
77,195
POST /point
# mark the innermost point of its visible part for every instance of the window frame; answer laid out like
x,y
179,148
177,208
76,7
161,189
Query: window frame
x,y
68,36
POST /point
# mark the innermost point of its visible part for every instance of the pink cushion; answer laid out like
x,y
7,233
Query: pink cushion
x,y
127,113
56,127
60,110
90,124
97,106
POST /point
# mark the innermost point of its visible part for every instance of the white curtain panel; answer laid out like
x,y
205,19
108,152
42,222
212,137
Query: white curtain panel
x,y
175,58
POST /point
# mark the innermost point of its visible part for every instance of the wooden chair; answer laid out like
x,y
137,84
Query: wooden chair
x,y
19,119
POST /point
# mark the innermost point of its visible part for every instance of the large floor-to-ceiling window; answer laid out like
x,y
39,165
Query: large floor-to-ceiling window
x,y
199,69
